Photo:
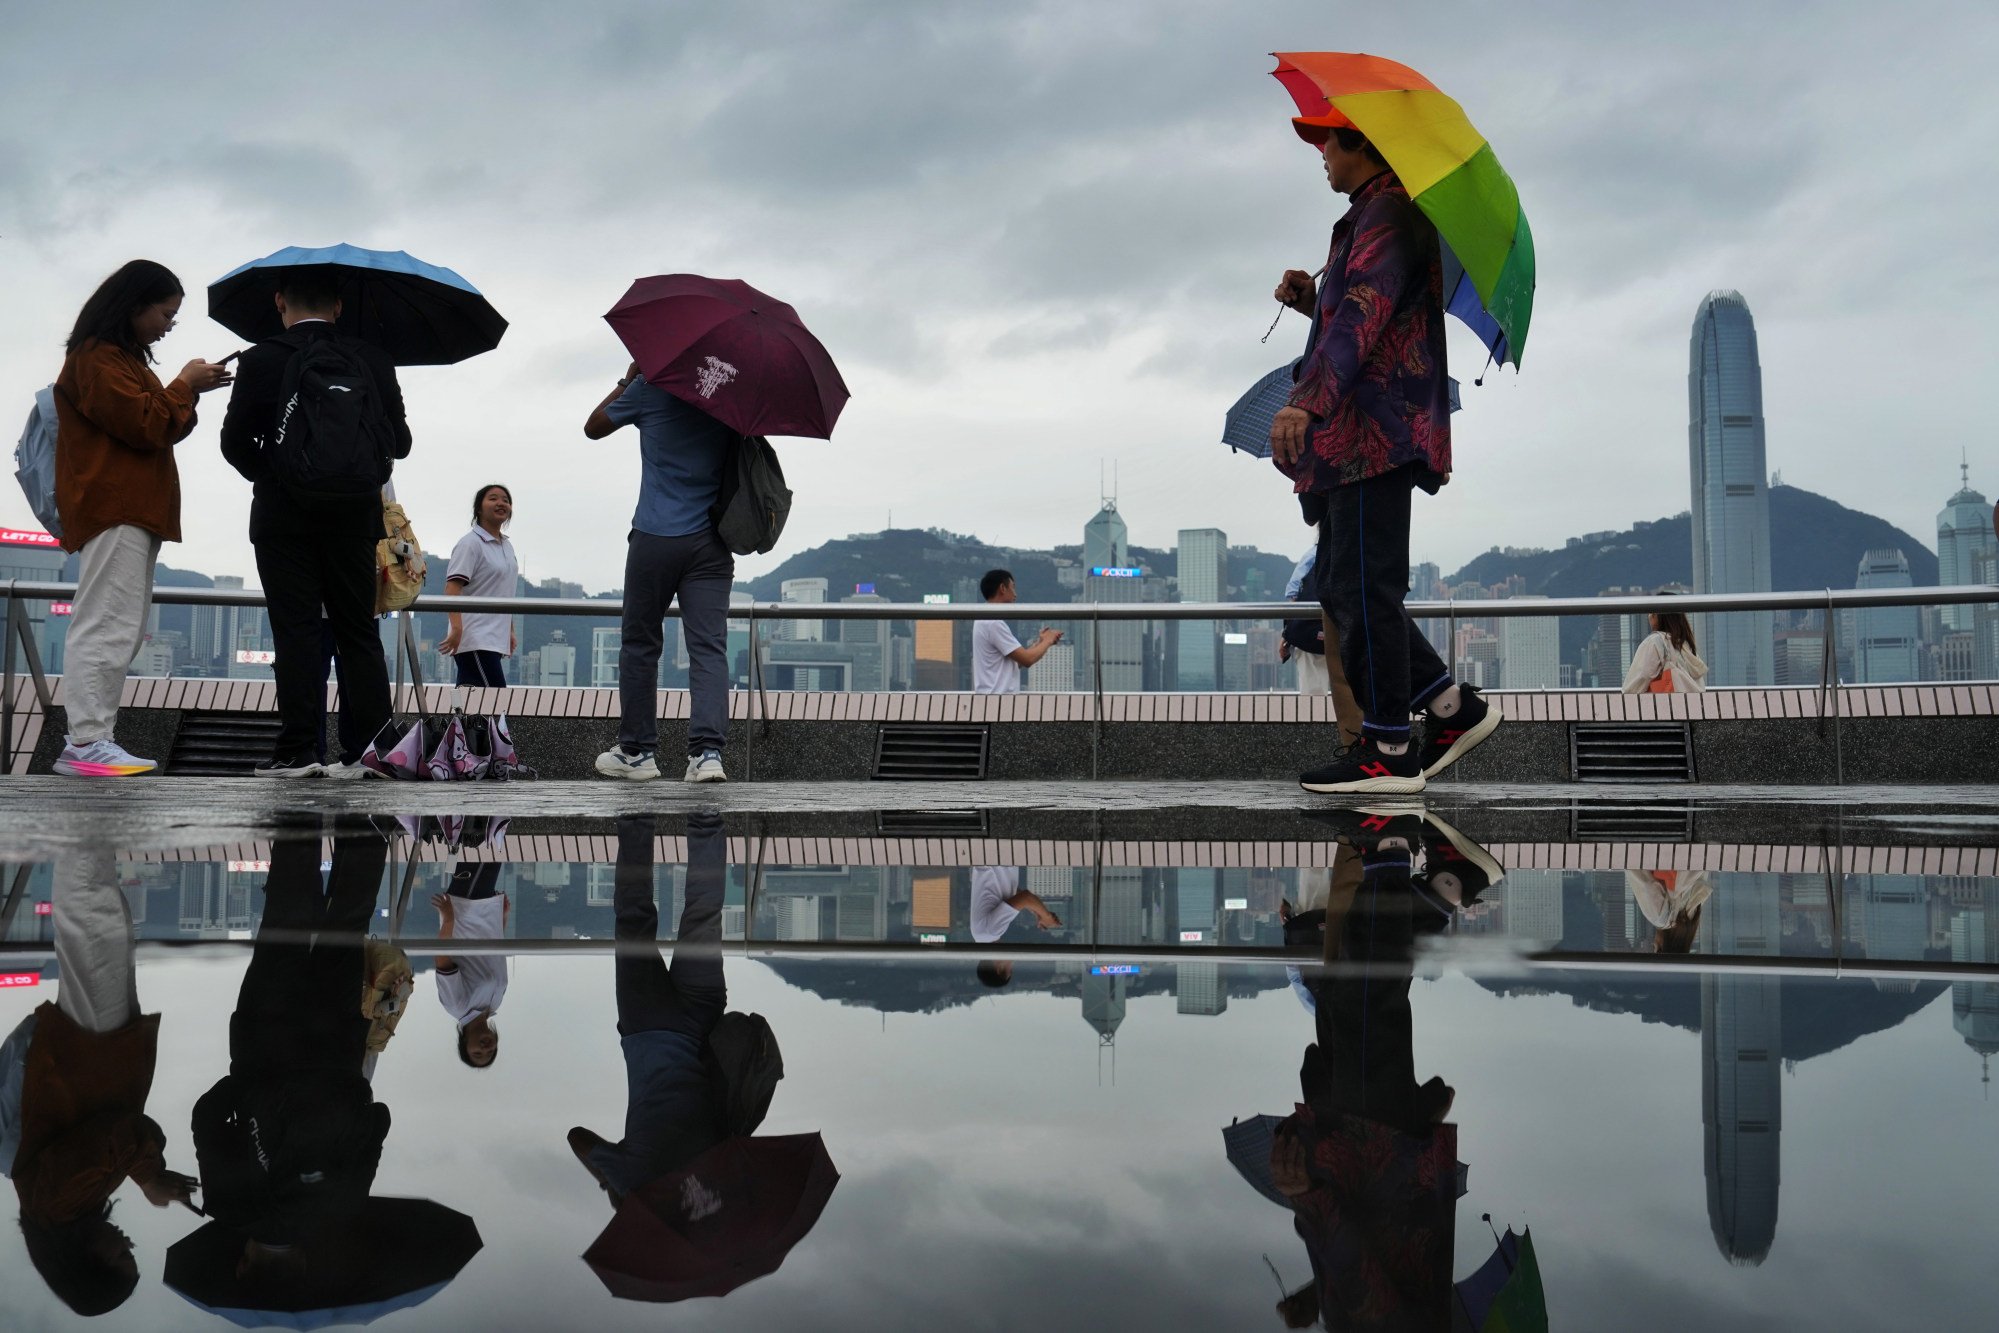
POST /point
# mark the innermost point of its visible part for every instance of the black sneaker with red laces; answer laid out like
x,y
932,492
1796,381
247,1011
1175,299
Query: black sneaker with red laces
x,y
1364,768
1390,827
1454,863
1449,739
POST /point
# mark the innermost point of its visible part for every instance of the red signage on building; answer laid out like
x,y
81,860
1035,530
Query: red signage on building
x,y
26,537
44,909
61,608
19,979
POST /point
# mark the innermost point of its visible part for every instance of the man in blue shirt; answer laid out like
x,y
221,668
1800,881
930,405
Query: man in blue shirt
x,y
672,552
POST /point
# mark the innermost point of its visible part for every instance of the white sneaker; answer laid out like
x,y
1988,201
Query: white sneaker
x,y
615,763
294,766
353,772
100,759
705,767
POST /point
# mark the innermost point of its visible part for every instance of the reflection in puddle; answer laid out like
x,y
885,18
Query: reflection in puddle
x,y
466,1072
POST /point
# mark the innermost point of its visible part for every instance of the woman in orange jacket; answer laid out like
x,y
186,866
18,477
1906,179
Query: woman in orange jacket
x,y
117,493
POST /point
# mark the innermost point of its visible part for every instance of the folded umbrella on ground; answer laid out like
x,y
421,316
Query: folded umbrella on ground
x,y
420,314
394,1254
741,356
460,747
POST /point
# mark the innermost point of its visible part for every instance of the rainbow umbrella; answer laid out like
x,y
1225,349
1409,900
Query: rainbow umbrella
x,y
1447,167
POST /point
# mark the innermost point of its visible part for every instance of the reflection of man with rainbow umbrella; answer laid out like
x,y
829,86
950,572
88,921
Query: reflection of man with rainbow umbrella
x,y
1434,223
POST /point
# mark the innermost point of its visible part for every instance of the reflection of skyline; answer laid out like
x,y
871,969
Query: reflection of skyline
x,y
1742,1107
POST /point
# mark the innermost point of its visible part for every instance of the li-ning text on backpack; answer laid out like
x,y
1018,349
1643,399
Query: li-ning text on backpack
x,y
333,439
754,502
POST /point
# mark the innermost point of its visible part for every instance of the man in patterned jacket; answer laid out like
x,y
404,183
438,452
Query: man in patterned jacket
x,y
1368,422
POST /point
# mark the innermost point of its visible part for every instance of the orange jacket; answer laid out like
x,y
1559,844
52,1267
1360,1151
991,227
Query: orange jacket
x,y
84,1127
116,427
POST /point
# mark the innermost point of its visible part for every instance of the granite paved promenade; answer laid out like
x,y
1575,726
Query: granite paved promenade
x,y
41,815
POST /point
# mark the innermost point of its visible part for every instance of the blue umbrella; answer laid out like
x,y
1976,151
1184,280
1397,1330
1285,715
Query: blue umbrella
x,y
1249,1143
418,313
392,1255
1246,428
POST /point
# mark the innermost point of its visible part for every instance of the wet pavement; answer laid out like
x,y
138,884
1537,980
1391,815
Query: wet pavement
x,y
1722,1054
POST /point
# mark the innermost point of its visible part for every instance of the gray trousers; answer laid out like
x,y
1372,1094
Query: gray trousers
x,y
114,595
699,571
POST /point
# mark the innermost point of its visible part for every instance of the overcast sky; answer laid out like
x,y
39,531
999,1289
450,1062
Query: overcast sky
x,y
1038,238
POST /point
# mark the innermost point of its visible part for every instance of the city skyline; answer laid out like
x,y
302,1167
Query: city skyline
x,y
1512,653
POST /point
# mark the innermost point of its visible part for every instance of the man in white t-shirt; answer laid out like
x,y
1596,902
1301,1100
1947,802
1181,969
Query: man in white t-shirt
x,y
997,899
997,656
471,986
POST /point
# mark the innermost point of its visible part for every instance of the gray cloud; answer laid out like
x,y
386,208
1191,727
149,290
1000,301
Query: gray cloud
x,y
1046,232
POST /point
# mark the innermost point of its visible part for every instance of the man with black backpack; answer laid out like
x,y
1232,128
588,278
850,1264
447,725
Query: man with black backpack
x,y
316,423
674,550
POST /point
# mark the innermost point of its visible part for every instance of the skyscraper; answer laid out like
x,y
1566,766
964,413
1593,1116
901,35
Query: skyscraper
x,y
1742,1090
1964,532
802,590
1731,497
1203,564
1203,575
1120,643
1886,638
1104,538
1530,651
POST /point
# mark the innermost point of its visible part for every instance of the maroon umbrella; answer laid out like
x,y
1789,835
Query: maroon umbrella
x,y
728,1217
738,355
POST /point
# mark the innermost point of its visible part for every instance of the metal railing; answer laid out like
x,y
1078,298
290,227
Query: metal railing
x,y
758,614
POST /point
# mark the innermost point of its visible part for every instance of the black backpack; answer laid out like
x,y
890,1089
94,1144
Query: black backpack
x,y
742,1051
749,513
333,439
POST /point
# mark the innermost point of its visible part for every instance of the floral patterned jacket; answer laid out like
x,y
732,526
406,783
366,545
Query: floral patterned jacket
x,y
1373,375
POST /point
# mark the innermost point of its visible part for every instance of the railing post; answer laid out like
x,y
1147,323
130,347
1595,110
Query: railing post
x,y
1097,692
7,683
1451,633
408,649
1831,686
756,692
18,631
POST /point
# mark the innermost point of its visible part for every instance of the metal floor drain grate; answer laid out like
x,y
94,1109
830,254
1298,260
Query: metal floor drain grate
x,y
1631,752
917,752
905,823
1631,821
222,744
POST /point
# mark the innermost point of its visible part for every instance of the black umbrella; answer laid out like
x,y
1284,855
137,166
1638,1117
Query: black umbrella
x,y
420,314
391,1255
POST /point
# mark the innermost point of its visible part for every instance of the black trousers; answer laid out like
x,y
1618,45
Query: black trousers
x,y
1363,574
1366,1061
481,668
698,570
303,572
691,995
299,1005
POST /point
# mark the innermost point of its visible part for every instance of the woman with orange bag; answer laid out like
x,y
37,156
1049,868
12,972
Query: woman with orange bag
x,y
1666,662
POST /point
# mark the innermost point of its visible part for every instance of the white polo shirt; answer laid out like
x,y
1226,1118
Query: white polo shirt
x,y
489,569
991,913
480,982
993,672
